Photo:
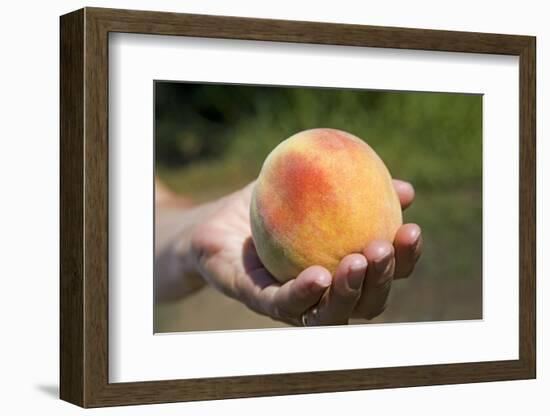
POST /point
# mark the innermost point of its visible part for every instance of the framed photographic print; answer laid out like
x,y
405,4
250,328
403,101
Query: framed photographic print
x,y
255,207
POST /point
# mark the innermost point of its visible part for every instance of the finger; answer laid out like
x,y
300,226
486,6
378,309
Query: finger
x,y
380,256
299,294
338,303
408,247
256,289
405,191
263,294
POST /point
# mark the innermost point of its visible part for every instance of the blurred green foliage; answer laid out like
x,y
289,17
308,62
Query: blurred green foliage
x,y
203,130
212,139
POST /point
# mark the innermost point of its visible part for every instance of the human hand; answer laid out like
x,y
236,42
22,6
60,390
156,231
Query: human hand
x,y
225,256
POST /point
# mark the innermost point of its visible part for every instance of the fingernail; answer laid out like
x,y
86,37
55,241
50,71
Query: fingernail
x,y
381,266
323,281
356,275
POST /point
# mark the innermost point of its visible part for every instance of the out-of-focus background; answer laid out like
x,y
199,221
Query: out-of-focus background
x,y
211,139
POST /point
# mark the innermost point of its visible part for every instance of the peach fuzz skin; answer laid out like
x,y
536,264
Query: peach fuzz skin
x,y
321,194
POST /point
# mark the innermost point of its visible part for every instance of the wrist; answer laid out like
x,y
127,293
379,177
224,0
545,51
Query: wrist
x,y
176,271
190,246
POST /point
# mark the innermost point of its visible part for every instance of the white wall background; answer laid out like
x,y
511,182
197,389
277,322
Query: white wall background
x,y
29,86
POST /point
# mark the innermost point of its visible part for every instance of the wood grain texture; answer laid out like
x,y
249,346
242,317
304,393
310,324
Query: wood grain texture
x,y
84,207
71,185
227,27
96,219
527,208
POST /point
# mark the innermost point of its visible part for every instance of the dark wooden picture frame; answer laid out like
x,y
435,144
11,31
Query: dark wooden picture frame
x,y
84,207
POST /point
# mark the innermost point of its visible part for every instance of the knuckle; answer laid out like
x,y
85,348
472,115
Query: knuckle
x,y
346,295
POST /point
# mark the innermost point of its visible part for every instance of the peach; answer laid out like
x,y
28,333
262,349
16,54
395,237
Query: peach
x,y
321,194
